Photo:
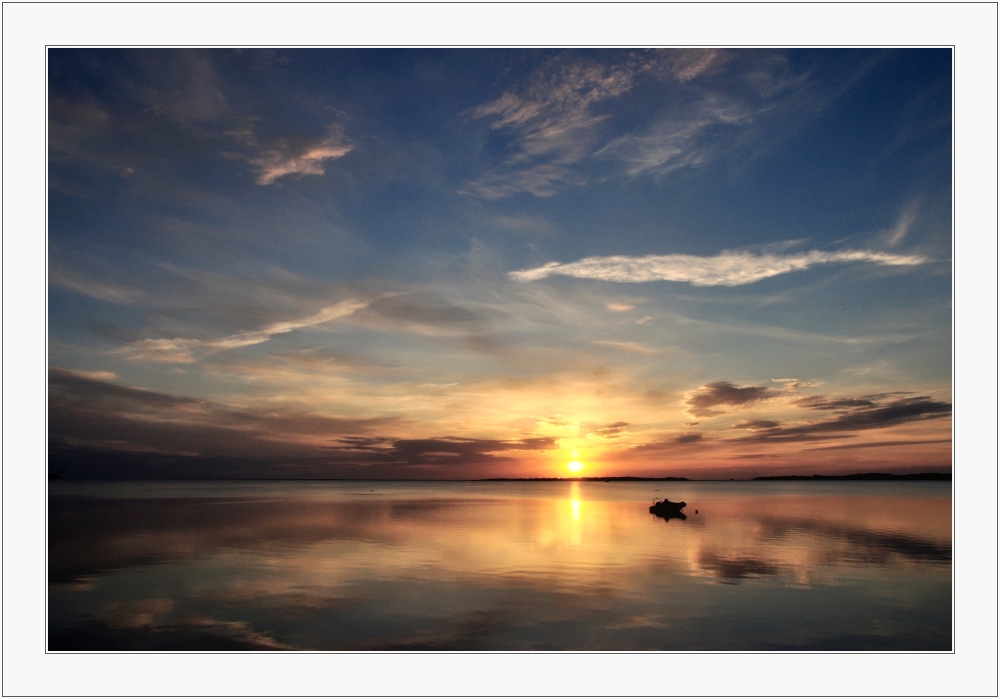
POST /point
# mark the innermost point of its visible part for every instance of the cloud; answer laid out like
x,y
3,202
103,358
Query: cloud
x,y
718,104
96,386
636,347
92,375
542,181
609,431
444,451
183,351
728,268
853,414
101,290
553,121
823,403
422,310
688,438
168,351
755,425
551,125
619,307
88,413
701,402
677,143
325,315
903,224
671,443
795,383
282,160
869,445
685,65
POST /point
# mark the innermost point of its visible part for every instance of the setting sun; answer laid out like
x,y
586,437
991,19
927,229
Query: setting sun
x,y
575,465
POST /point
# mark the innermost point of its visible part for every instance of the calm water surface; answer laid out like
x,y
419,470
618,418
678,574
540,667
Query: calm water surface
x,y
499,566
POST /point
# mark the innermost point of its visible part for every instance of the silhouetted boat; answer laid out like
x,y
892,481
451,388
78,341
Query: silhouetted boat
x,y
665,507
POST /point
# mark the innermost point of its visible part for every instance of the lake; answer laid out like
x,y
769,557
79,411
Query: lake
x,y
496,566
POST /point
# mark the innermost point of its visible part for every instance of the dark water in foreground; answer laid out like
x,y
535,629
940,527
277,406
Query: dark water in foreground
x,y
498,566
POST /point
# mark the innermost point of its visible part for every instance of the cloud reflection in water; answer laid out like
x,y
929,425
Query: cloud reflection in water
x,y
479,566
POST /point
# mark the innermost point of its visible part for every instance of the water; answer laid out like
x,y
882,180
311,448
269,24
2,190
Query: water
x,y
213,565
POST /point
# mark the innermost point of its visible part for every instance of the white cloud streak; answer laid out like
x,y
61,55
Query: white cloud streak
x,y
103,291
636,347
183,350
903,225
725,269
279,162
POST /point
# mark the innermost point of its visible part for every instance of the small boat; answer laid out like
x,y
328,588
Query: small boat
x,y
665,507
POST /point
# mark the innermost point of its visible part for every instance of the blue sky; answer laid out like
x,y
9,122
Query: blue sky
x,y
476,263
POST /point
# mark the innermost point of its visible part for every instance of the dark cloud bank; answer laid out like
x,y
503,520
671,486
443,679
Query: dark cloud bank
x,y
851,415
99,429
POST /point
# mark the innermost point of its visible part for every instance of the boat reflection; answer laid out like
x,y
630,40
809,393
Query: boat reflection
x,y
667,516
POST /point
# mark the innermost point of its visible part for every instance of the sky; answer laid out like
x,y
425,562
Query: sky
x,y
443,263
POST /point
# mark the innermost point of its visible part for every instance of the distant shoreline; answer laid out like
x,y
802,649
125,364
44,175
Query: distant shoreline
x,y
849,477
862,477
592,479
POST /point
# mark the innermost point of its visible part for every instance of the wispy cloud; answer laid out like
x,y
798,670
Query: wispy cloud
x,y
755,425
90,375
678,142
551,123
611,431
863,413
903,224
875,445
102,290
282,160
726,269
636,347
444,451
184,350
554,120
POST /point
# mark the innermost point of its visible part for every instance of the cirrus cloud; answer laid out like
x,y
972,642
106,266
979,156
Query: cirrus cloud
x,y
728,268
182,350
281,160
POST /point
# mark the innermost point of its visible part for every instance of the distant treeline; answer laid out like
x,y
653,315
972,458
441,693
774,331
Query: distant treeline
x,y
863,477
851,477
591,478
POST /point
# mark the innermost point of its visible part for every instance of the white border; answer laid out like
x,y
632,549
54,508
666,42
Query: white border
x,y
28,28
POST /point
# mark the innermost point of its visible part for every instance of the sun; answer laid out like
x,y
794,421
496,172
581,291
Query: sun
x,y
575,465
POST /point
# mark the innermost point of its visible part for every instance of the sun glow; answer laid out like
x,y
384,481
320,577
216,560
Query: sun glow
x,y
575,465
